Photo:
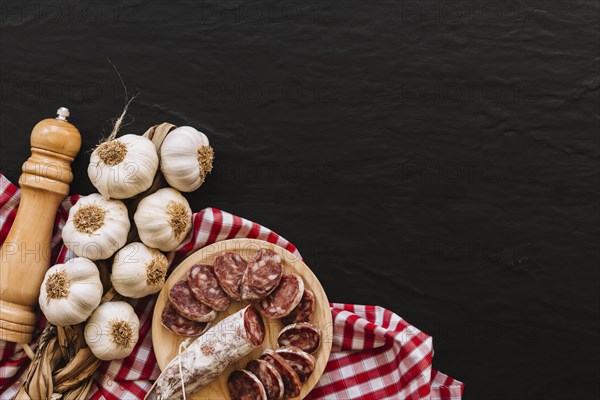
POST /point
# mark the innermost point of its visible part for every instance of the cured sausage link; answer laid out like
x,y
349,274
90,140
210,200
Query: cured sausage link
x,y
179,325
303,311
262,275
187,306
302,335
229,269
244,385
300,361
226,342
205,288
270,378
291,382
284,298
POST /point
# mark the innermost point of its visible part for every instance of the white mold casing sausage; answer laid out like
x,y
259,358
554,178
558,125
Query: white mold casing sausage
x,y
204,359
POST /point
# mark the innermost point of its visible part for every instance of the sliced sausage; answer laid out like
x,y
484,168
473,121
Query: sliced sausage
x,y
244,385
302,335
284,298
180,325
291,382
262,275
187,306
303,311
208,356
300,361
229,269
269,377
205,287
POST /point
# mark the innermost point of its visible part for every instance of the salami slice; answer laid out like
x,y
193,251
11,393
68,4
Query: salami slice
x,y
180,325
284,298
302,335
244,385
303,311
269,377
205,287
262,275
187,306
291,382
229,269
202,361
300,361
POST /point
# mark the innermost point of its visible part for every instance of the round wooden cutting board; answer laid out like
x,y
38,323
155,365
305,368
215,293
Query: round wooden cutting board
x,y
166,343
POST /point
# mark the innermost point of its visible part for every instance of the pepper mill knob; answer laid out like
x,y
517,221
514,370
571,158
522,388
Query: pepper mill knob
x,y
25,254
63,113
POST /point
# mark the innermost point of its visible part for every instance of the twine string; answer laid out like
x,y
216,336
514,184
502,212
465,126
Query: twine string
x,y
128,100
183,344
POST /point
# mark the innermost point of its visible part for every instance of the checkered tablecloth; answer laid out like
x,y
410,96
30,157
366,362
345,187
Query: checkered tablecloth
x,y
376,354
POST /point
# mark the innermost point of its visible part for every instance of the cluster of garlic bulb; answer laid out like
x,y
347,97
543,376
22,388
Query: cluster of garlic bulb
x,y
124,167
138,270
186,158
163,219
70,292
96,227
112,331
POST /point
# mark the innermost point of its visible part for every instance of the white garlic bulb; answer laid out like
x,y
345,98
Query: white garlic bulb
x,y
96,227
112,331
186,158
70,292
123,167
163,219
138,270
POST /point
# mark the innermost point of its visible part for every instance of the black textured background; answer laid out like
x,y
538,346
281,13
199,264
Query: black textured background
x,y
439,158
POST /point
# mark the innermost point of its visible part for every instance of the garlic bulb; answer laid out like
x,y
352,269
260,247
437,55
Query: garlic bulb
x,y
186,158
112,331
138,270
70,292
163,219
96,227
123,167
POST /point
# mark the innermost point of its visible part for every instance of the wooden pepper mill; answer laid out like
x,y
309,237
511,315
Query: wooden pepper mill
x,y
25,254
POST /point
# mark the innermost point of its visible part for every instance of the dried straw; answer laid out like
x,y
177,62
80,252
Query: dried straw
x,y
62,365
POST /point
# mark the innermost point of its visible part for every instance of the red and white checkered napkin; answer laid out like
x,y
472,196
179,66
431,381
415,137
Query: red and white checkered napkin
x,y
375,355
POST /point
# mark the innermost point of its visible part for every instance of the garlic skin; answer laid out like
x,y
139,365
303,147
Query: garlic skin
x,y
138,270
163,219
112,331
123,167
70,292
186,158
96,227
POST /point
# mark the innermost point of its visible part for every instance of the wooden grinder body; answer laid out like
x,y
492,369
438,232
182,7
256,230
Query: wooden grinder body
x,y
26,252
